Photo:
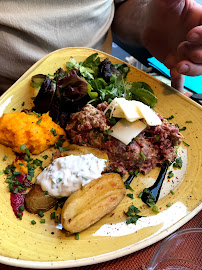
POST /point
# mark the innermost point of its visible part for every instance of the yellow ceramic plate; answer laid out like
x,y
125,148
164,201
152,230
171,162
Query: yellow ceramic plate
x,y
45,246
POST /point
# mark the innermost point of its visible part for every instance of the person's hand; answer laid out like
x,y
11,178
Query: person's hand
x,y
173,34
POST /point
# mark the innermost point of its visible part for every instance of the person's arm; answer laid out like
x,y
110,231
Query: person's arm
x,y
129,21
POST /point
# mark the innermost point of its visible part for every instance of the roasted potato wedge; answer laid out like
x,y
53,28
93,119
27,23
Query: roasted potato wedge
x,y
80,150
36,200
92,202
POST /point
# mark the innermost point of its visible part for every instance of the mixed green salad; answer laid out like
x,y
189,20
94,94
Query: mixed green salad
x,y
92,81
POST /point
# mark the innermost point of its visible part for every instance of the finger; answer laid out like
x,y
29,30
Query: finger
x,y
190,51
195,35
177,80
188,68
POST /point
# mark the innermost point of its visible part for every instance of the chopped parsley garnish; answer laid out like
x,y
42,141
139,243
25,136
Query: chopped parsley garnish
x,y
19,215
5,158
132,214
186,143
136,172
59,180
23,147
140,194
129,187
182,129
157,138
178,163
38,114
52,215
53,131
130,195
171,117
77,236
109,131
16,173
155,209
142,155
131,210
42,220
170,174
41,214
39,121
21,208
63,149
133,219
56,219
59,143
150,200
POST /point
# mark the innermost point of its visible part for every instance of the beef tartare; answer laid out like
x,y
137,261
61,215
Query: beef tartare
x,y
153,146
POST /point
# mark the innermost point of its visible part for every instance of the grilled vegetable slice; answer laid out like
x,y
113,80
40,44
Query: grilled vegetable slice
x,y
92,202
37,200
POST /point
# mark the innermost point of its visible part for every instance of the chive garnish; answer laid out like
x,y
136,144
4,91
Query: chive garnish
x,y
39,121
77,236
186,143
42,220
63,149
182,129
130,195
56,219
23,147
155,209
19,215
33,222
142,155
41,214
53,131
168,204
5,158
157,138
129,187
16,173
178,163
52,215
170,174
171,117
21,208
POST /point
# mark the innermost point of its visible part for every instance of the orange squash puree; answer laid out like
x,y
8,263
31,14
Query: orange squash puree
x,y
38,133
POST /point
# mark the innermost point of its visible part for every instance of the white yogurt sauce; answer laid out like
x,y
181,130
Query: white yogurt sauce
x,y
167,218
67,174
